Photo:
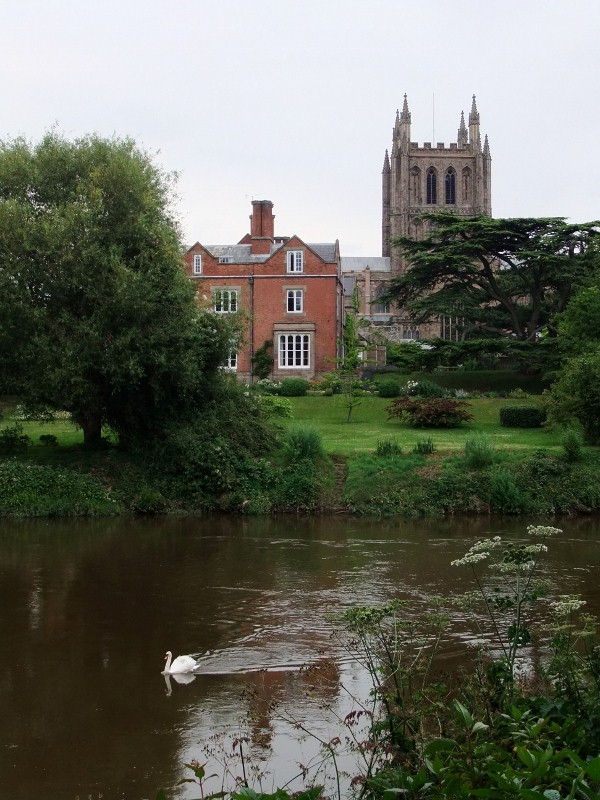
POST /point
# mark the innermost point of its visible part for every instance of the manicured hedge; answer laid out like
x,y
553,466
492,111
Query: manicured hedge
x,y
522,417
293,387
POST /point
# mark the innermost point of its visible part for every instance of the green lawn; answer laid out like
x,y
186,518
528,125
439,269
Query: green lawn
x,y
369,424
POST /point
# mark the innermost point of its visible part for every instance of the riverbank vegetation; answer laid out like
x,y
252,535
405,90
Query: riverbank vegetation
x,y
315,461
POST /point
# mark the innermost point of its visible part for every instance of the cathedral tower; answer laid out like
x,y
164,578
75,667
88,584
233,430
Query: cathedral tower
x,y
423,179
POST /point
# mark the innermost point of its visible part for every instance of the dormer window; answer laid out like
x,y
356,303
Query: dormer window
x,y
225,259
197,264
295,261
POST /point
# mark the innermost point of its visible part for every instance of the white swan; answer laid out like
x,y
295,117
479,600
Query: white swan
x,y
181,664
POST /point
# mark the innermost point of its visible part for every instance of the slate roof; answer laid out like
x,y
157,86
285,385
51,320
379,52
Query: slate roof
x,y
242,253
360,263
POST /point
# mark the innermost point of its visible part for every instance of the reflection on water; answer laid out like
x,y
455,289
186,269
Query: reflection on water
x,y
88,610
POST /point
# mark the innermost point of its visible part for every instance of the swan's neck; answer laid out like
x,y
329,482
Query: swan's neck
x,y
168,664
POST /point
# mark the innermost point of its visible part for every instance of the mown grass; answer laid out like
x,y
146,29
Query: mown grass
x,y
370,423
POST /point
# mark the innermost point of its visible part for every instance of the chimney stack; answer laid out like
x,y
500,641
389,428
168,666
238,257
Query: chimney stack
x,y
262,226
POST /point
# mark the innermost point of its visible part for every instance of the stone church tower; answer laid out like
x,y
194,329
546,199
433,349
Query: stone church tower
x,y
418,180
424,179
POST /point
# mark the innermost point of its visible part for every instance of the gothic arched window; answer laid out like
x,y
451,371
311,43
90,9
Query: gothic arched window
x,y
466,184
450,185
431,187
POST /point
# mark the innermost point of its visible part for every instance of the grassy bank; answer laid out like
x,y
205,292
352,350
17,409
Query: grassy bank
x,y
367,466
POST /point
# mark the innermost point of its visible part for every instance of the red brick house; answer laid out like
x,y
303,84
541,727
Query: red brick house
x,y
288,291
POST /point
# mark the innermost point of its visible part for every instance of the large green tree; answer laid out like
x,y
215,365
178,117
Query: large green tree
x,y
506,277
96,315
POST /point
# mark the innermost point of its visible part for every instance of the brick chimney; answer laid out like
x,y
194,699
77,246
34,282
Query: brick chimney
x,y
262,226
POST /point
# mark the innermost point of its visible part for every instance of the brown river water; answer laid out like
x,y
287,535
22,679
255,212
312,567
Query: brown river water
x,y
88,609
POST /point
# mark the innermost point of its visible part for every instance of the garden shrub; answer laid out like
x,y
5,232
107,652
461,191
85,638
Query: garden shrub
x,y
435,412
572,444
273,406
304,443
505,495
12,439
522,417
388,388
388,447
48,440
425,388
479,451
267,386
293,387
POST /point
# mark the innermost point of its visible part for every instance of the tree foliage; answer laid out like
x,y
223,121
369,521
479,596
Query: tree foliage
x,y
97,317
506,277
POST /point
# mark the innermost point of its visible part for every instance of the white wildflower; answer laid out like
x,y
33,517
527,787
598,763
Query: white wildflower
x,y
566,604
533,549
511,566
469,558
485,545
543,531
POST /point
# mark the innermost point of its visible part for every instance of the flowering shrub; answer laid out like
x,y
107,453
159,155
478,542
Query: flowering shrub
x,y
435,412
423,388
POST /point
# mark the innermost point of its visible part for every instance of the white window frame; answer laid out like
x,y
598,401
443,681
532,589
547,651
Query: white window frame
x,y
225,301
295,299
231,362
293,350
295,260
197,264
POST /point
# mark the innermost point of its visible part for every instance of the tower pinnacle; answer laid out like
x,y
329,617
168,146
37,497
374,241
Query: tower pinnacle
x,y
386,162
474,135
463,136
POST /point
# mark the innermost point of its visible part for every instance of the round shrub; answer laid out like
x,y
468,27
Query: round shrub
x,y
293,387
388,388
522,417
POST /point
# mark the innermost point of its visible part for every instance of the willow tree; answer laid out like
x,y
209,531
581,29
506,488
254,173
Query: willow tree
x,y
96,315
506,277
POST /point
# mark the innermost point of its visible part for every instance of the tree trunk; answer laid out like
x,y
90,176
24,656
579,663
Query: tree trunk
x,y
91,425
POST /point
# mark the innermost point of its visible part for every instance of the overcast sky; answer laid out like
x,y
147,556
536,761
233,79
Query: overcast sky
x,y
294,100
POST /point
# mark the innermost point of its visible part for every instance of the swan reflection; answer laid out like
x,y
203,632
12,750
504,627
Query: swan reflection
x,y
180,677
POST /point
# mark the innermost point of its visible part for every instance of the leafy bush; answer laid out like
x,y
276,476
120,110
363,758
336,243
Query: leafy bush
x,y
424,447
505,495
293,387
430,412
48,440
388,388
273,406
576,395
425,388
388,447
572,444
32,490
522,417
12,439
267,386
479,451
304,443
